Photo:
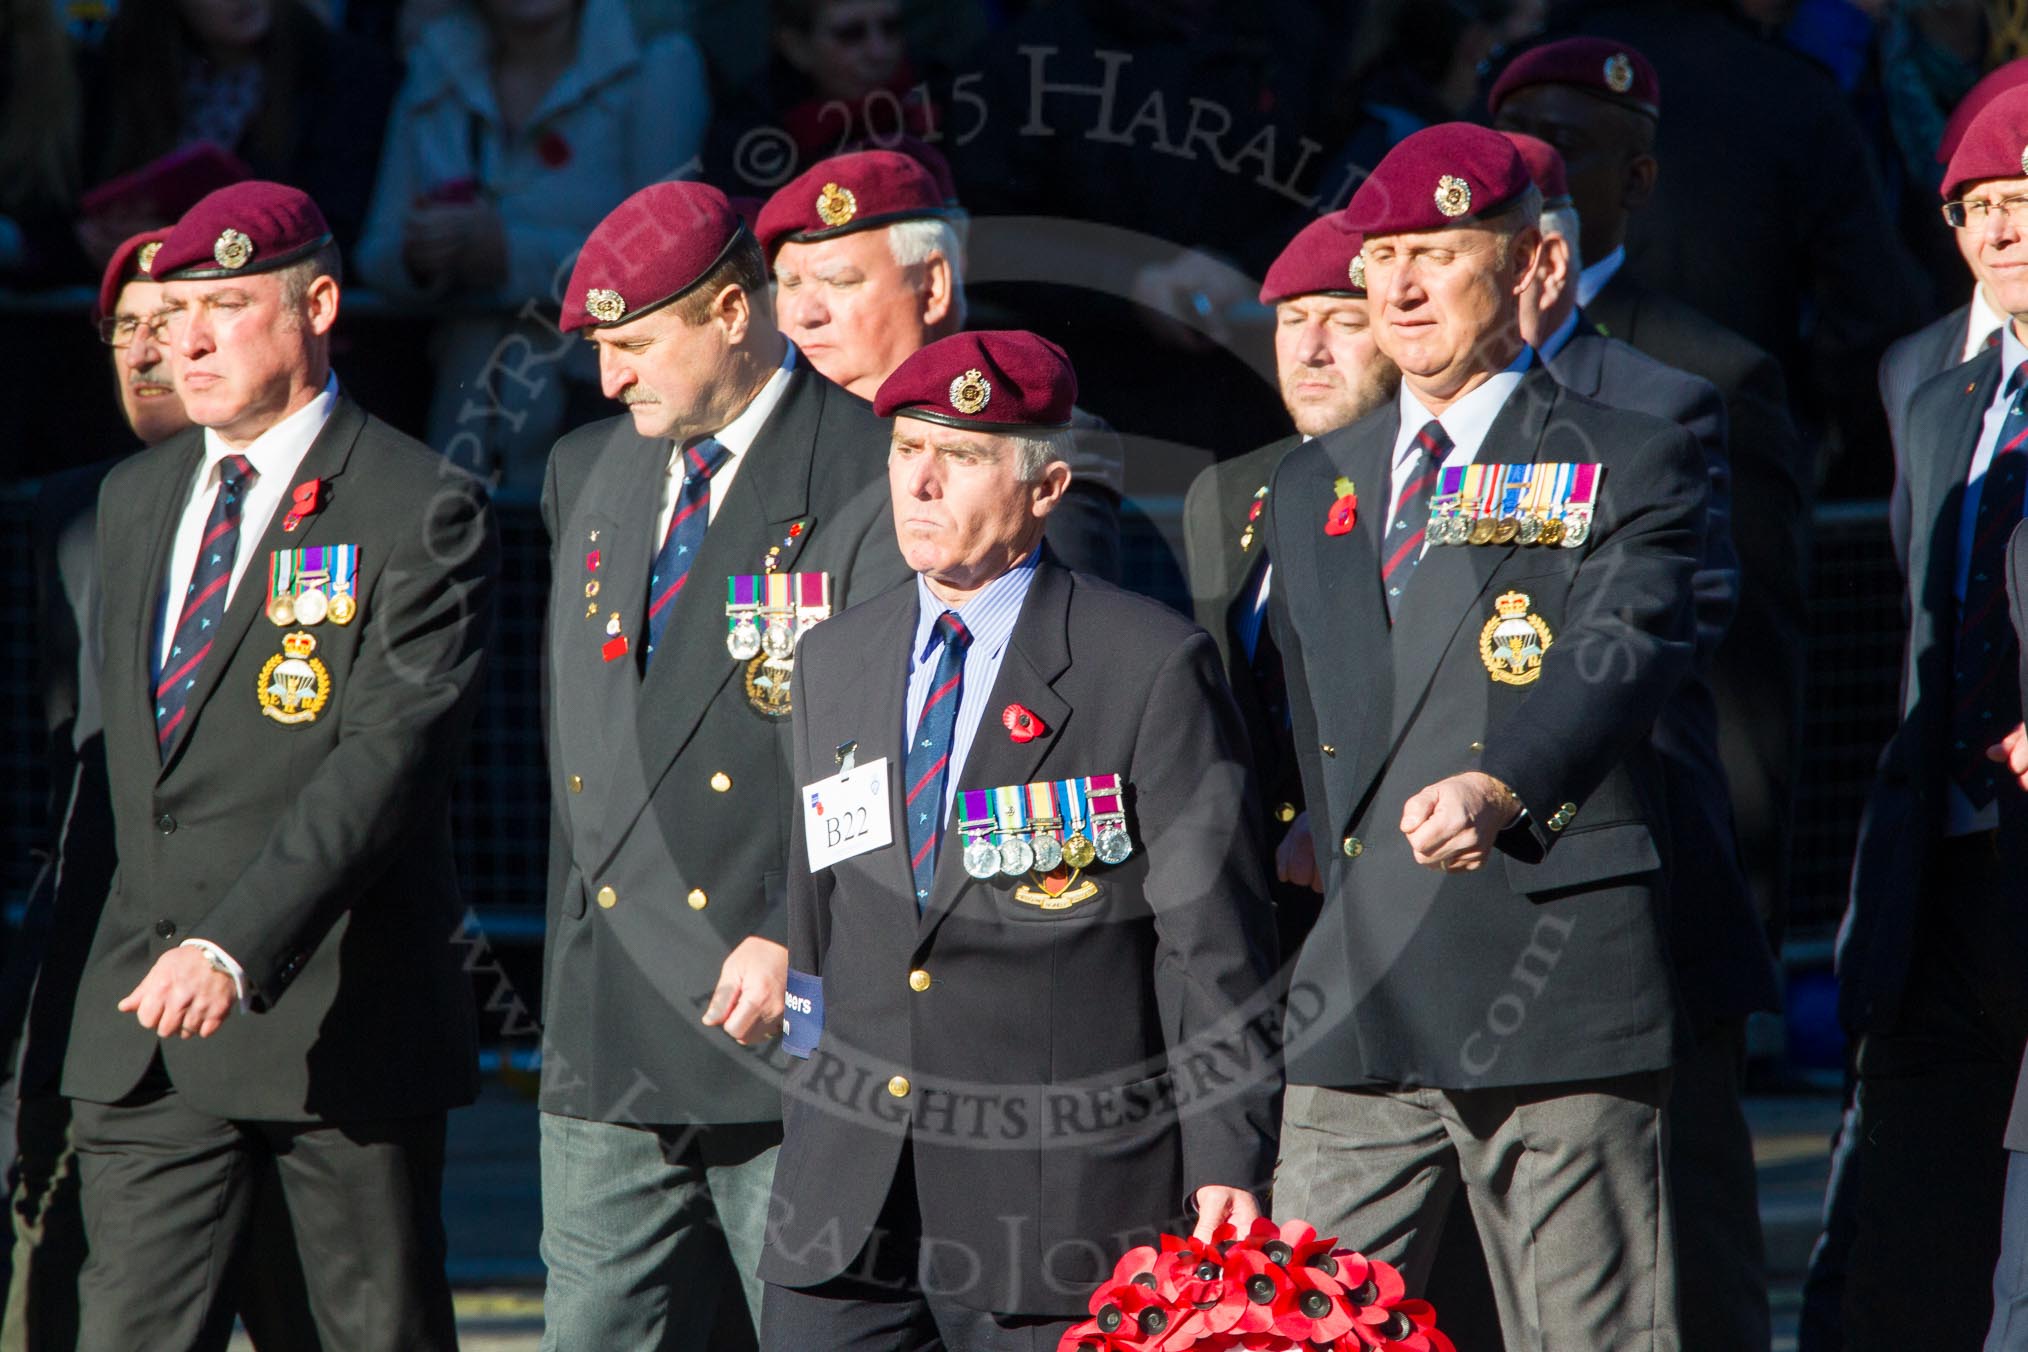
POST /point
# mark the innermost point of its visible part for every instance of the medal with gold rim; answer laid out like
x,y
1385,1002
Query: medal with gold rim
x,y
1513,641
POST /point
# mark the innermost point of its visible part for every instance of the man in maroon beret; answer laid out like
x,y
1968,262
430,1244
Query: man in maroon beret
x,y
1932,955
868,252
1331,374
734,503
296,599
1048,772
1490,971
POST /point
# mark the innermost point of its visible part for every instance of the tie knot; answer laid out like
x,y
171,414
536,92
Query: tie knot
x,y
1432,440
235,470
705,457
953,629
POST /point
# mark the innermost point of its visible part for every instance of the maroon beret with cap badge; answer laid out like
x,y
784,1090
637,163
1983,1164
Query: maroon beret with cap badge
x,y
845,193
1545,167
649,250
1449,174
1991,85
243,228
1322,260
1995,144
991,380
134,259
1611,70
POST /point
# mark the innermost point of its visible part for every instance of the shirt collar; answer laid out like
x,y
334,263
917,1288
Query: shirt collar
x,y
738,435
1555,342
1983,323
2012,353
989,616
277,452
1468,420
1594,278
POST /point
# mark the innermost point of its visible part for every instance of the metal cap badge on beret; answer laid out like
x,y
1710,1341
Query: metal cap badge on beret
x,y
1612,70
243,228
1322,260
849,192
1545,167
1995,144
1991,85
1449,174
649,250
992,380
135,258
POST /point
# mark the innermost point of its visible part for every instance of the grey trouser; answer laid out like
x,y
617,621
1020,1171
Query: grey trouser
x,y
634,1223
1565,1181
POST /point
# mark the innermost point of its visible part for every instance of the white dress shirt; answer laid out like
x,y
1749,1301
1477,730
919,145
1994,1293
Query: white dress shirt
x,y
275,455
1465,422
737,438
1963,817
1593,279
1983,322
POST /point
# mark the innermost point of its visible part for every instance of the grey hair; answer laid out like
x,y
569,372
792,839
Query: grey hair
x,y
913,241
297,277
1562,222
1032,455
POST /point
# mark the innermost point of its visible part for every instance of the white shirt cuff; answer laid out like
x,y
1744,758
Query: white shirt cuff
x,y
224,962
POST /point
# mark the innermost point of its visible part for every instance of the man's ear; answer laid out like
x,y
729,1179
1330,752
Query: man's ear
x,y
938,298
1527,256
320,304
733,309
1050,486
1642,171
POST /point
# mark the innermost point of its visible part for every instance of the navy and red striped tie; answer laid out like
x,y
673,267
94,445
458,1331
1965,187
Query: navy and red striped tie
x,y
1987,697
684,538
929,755
1409,526
203,603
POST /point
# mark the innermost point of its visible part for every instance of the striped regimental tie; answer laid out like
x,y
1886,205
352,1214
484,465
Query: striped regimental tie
x,y
685,538
1986,696
1409,526
203,602
929,755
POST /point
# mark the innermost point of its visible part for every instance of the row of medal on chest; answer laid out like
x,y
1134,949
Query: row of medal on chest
x,y
1044,826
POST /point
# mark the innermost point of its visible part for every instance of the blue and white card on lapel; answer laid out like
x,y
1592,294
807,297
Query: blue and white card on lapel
x,y
847,814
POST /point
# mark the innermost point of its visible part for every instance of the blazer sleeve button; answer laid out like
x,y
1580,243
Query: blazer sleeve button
x,y
165,929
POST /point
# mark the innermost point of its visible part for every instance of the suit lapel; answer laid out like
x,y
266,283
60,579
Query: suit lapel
x,y
1241,565
1038,653
165,494
324,460
1961,441
1580,366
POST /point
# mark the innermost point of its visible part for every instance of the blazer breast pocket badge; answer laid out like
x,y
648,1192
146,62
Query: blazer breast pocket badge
x,y
766,615
1049,833
294,685
1513,641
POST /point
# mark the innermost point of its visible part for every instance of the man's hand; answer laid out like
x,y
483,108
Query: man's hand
x,y
183,995
1451,824
1296,856
1218,1206
752,986
2012,752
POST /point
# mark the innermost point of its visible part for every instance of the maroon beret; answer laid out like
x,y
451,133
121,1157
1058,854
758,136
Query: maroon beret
x,y
1991,85
134,258
1995,145
1545,167
748,209
248,227
1612,70
846,193
992,380
924,154
649,250
1322,260
1449,174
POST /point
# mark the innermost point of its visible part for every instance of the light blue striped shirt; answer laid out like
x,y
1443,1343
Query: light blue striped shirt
x,y
989,617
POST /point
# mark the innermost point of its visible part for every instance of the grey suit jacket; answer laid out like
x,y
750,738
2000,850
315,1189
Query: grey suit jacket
x,y
317,854
1906,809
1719,944
670,794
1908,361
1070,1076
1552,963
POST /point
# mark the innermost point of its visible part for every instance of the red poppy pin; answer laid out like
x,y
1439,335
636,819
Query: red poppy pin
x,y
1344,512
305,501
1021,723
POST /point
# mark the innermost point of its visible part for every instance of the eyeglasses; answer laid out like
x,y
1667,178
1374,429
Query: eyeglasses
x,y
118,331
1972,212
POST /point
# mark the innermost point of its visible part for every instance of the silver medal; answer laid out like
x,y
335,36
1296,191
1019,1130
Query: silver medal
x,y
981,859
1017,856
311,606
779,641
743,640
1048,853
1114,846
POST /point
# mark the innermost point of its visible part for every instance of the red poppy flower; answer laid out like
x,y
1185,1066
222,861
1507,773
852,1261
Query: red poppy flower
x,y
1088,1337
553,150
795,530
1257,1288
1344,515
1409,1326
1021,723
1133,1309
1253,512
306,499
1191,1271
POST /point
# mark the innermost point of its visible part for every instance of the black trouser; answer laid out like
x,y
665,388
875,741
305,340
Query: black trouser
x,y
169,1200
1932,1102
